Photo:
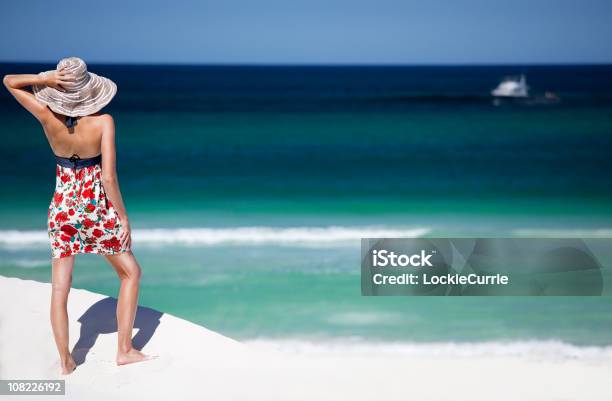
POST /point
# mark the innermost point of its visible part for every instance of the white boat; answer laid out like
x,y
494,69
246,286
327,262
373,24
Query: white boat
x,y
512,87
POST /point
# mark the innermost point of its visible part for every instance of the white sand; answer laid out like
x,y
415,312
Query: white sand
x,y
197,364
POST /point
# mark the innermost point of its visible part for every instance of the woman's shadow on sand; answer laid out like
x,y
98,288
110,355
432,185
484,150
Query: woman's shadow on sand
x,y
101,318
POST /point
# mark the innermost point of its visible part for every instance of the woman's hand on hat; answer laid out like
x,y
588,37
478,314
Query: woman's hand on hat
x,y
58,79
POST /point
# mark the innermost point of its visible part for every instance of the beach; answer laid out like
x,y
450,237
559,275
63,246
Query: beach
x,y
196,363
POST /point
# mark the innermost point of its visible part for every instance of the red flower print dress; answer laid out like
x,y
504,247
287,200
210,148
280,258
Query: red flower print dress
x,y
81,218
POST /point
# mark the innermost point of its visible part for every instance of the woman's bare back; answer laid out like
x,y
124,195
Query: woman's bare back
x,y
83,139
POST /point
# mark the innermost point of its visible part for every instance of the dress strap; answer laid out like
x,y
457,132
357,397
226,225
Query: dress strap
x,y
71,121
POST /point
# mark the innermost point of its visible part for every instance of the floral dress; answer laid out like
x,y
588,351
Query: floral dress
x,y
81,218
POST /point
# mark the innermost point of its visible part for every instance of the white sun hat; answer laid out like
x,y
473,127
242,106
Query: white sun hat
x,y
86,94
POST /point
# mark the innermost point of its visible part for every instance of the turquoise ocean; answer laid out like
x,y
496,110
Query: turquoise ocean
x,y
249,187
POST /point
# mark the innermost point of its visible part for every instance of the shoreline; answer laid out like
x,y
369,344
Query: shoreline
x,y
531,350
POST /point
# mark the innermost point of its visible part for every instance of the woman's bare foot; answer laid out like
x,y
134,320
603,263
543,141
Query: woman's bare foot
x,y
68,365
132,356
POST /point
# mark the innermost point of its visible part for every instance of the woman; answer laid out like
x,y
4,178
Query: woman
x,y
86,214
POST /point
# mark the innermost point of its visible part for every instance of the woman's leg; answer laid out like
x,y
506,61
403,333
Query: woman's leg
x,y
129,272
61,279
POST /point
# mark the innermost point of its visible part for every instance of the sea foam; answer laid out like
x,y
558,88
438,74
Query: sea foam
x,y
532,349
255,235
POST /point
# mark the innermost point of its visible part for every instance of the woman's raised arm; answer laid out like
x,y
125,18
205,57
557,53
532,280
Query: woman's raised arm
x,y
16,84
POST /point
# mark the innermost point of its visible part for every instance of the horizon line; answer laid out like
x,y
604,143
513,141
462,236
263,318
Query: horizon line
x,y
313,64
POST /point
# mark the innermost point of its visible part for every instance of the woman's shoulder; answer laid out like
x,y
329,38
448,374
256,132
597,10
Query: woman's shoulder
x,y
101,116
101,119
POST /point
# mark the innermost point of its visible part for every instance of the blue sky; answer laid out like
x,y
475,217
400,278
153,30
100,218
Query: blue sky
x,y
309,31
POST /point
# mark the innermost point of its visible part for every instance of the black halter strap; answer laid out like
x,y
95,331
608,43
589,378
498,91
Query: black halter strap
x,y
71,121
